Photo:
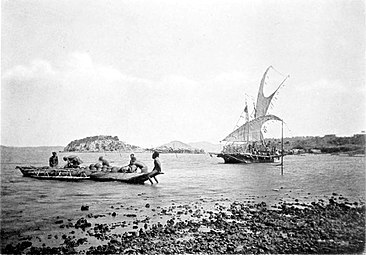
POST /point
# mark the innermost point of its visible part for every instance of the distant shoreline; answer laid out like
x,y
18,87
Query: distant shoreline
x,y
328,144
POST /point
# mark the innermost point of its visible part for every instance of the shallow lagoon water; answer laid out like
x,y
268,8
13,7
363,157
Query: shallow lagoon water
x,y
30,206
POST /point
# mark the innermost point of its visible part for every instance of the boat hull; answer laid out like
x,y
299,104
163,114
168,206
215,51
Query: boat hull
x,y
136,178
77,174
238,158
61,174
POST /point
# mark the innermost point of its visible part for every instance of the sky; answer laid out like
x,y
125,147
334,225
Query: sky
x,y
155,71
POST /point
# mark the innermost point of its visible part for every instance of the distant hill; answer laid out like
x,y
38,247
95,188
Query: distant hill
x,y
178,147
207,147
100,143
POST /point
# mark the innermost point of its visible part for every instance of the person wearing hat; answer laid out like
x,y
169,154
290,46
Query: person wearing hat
x,y
104,161
53,161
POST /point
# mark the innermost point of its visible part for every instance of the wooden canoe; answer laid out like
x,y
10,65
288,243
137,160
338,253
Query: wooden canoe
x,y
62,174
137,178
77,174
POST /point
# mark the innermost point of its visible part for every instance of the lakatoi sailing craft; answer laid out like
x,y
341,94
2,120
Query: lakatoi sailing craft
x,y
246,144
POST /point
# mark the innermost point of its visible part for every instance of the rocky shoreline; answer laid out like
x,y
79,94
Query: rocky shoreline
x,y
331,226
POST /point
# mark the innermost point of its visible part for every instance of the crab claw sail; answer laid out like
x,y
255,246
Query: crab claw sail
x,y
264,102
250,131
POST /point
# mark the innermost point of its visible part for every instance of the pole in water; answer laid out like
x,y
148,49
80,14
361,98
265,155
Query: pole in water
x,y
282,149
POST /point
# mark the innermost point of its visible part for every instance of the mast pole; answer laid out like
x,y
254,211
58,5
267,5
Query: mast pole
x,y
282,149
247,118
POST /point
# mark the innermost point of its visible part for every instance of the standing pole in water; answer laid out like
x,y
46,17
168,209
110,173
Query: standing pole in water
x,y
282,149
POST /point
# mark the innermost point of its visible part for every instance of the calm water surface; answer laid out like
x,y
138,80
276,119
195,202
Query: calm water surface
x,y
31,205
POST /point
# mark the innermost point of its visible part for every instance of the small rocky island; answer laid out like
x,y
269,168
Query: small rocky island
x,y
101,143
178,147
107,143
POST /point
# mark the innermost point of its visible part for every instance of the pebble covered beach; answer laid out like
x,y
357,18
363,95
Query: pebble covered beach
x,y
240,227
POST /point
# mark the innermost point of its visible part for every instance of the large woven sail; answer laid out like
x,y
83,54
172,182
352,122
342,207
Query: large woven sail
x,y
250,131
246,143
264,102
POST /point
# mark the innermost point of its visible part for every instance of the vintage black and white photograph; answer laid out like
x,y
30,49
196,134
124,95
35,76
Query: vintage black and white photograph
x,y
183,127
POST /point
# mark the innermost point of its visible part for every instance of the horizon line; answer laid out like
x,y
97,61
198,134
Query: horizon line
x,y
35,146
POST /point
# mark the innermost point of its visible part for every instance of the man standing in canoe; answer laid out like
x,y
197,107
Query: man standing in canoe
x,y
53,161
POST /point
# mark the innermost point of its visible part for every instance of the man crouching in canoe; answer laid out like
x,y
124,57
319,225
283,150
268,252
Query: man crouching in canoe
x,y
72,161
138,164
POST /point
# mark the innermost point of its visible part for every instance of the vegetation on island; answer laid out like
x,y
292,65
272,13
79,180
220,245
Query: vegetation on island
x,y
100,143
326,144
104,143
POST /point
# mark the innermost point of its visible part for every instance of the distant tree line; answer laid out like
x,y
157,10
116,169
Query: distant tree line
x,y
326,144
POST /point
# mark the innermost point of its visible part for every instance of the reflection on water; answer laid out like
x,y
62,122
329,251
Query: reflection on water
x,y
28,203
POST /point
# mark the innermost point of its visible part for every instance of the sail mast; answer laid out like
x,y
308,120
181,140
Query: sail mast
x,y
282,149
246,118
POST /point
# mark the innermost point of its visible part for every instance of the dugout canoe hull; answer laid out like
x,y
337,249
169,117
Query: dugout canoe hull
x,y
78,174
136,178
62,174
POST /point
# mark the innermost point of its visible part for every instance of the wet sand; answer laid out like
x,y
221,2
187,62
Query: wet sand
x,y
332,225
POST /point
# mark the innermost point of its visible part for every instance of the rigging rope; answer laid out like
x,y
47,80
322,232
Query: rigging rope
x,y
278,71
242,115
